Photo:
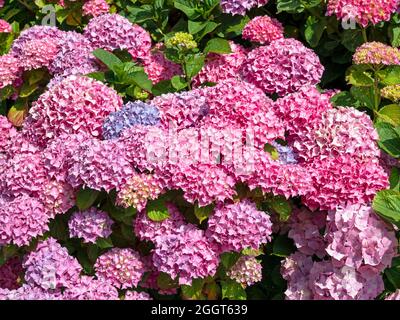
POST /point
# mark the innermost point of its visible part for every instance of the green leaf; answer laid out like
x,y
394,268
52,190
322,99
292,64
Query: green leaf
x,y
394,179
193,65
194,292
272,151
352,39
202,213
389,138
394,33
59,228
108,58
343,99
178,83
283,246
387,205
358,75
391,112
165,282
104,243
228,259
85,198
157,210
365,95
282,207
393,274
162,87
185,7
315,27
142,80
232,290
93,252
218,45
195,26
291,6
390,75
100,76
27,89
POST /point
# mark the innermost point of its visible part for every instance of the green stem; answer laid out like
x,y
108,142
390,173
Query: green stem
x,y
364,34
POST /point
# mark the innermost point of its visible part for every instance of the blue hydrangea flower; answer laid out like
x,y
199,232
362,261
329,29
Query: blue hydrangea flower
x,y
132,114
286,154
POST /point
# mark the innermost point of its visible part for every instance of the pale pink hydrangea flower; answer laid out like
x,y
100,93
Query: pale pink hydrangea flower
x,y
282,67
90,225
123,268
240,6
263,29
363,11
75,105
58,197
238,226
246,271
95,8
376,53
134,295
305,230
186,254
7,134
29,292
357,238
10,70
89,288
51,267
394,296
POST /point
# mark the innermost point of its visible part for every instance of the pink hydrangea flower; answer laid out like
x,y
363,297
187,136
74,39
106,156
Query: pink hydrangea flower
x,y
344,180
28,292
219,67
38,53
263,29
10,273
357,238
394,296
123,268
90,225
239,226
134,295
95,8
112,31
149,230
51,267
89,288
4,26
186,254
22,219
58,197
7,134
75,105
240,6
305,230
10,70
376,53
282,67
363,11
246,271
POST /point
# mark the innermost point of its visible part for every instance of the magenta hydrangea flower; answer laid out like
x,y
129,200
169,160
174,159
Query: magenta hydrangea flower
x,y
238,226
123,268
282,67
38,53
240,6
305,230
220,67
99,165
357,238
58,197
76,104
90,225
376,53
363,11
10,273
5,26
89,288
330,283
10,70
134,295
138,190
22,219
246,271
295,270
149,230
7,134
158,68
344,180
51,267
186,254
28,292
263,29
340,131
112,31
95,8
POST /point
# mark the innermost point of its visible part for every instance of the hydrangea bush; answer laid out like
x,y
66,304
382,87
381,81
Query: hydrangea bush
x,y
229,149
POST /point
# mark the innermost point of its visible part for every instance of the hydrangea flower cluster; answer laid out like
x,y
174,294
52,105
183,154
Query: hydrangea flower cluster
x,y
391,93
240,6
5,26
263,30
376,53
246,271
90,225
